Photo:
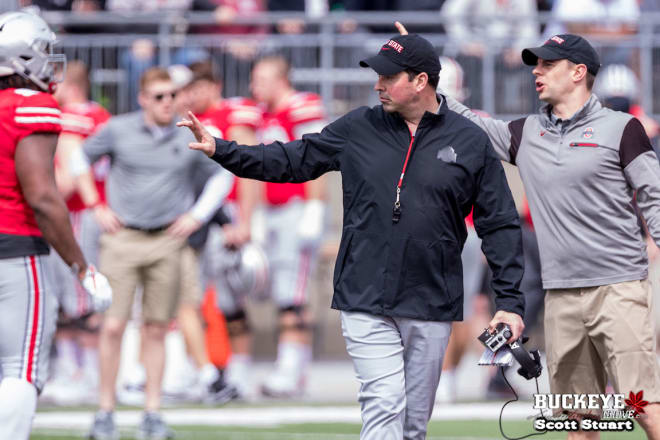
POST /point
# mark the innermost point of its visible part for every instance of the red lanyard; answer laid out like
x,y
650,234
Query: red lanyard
x,y
396,213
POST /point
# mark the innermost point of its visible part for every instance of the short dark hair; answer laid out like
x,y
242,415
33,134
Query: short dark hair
x,y
204,71
433,79
16,81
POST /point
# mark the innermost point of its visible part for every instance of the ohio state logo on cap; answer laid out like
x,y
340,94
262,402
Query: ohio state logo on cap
x,y
557,39
394,45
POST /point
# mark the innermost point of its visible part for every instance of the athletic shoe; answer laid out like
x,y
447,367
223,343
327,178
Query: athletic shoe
x,y
103,427
221,392
283,385
131,394
153,428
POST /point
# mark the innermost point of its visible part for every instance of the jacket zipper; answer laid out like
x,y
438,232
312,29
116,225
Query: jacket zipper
x,y
396,212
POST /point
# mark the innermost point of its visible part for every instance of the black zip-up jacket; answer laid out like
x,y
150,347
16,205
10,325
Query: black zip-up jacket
x,y
410,268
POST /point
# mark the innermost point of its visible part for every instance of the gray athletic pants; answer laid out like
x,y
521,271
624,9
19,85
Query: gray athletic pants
x,y
397,362
28,311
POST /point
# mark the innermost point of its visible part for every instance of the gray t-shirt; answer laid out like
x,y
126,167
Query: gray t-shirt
x,y
151,176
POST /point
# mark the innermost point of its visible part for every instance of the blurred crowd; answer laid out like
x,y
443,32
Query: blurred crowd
x,y
471,30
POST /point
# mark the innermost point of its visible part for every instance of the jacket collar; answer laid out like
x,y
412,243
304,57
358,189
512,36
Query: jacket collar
x,y
591,106
436,117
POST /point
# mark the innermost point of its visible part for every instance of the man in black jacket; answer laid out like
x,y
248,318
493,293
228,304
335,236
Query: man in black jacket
x,y
411,171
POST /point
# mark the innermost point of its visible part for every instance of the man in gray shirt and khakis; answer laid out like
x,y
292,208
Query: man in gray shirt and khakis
x,y
581,165
149,214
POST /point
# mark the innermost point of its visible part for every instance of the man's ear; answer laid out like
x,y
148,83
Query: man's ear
x,y
142,99
421,81
579,72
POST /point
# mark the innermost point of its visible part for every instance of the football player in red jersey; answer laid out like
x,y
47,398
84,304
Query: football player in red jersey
x,y
289,114
32,215
237,119
232,118
75,371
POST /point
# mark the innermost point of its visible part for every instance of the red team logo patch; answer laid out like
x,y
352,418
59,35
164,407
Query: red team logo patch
x,y
588,133
557,39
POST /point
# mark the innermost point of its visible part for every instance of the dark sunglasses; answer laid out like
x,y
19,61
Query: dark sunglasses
x,y
160,96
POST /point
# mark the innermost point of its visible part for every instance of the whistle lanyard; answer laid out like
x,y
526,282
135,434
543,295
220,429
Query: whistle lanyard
x,y
396,213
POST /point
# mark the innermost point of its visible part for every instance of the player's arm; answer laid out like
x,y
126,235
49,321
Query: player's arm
x,y
66,182
93,148
497,223
295,162
310,227
213,195
34,168
642,170
250,192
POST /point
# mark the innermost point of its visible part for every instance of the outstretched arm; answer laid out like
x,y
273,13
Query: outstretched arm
x,y
297,161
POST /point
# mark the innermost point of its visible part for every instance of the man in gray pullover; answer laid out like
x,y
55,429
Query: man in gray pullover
x,y
582,165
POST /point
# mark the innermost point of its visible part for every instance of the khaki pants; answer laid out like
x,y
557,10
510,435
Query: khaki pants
x,y
130,258
191,283
599,333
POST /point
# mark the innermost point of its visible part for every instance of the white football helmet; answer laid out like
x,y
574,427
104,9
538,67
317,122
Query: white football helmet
x,y
246,271
451,79
617,80
26,49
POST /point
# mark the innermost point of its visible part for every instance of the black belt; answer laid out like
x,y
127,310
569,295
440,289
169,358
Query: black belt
x,y
148,230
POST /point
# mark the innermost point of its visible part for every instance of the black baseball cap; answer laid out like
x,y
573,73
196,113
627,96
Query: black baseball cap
x,y
564,47
405,52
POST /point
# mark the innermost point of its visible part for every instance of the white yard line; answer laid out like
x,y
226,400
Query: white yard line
x,y
273,416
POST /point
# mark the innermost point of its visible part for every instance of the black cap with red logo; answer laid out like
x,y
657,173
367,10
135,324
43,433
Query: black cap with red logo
x,y
405,52
564,47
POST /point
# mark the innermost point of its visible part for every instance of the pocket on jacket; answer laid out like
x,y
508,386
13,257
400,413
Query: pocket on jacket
x,y
433,272
362,264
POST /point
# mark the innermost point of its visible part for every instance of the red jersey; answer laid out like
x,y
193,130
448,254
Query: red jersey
x,y
84,119
22,112
232,112
302,114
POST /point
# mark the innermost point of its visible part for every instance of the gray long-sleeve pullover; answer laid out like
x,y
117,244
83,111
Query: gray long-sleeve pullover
x,y
580,176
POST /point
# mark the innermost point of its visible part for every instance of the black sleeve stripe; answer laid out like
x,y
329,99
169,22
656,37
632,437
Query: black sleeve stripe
x,y
516,130
634,142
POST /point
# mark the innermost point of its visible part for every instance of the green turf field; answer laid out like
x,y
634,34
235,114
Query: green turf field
x,y
463,430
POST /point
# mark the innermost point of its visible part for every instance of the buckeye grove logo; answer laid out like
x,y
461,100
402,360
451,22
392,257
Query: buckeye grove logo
x,y
617,411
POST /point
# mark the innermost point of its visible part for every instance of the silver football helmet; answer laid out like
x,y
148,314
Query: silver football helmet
x,y
451,79
246,271
26,49
617,80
